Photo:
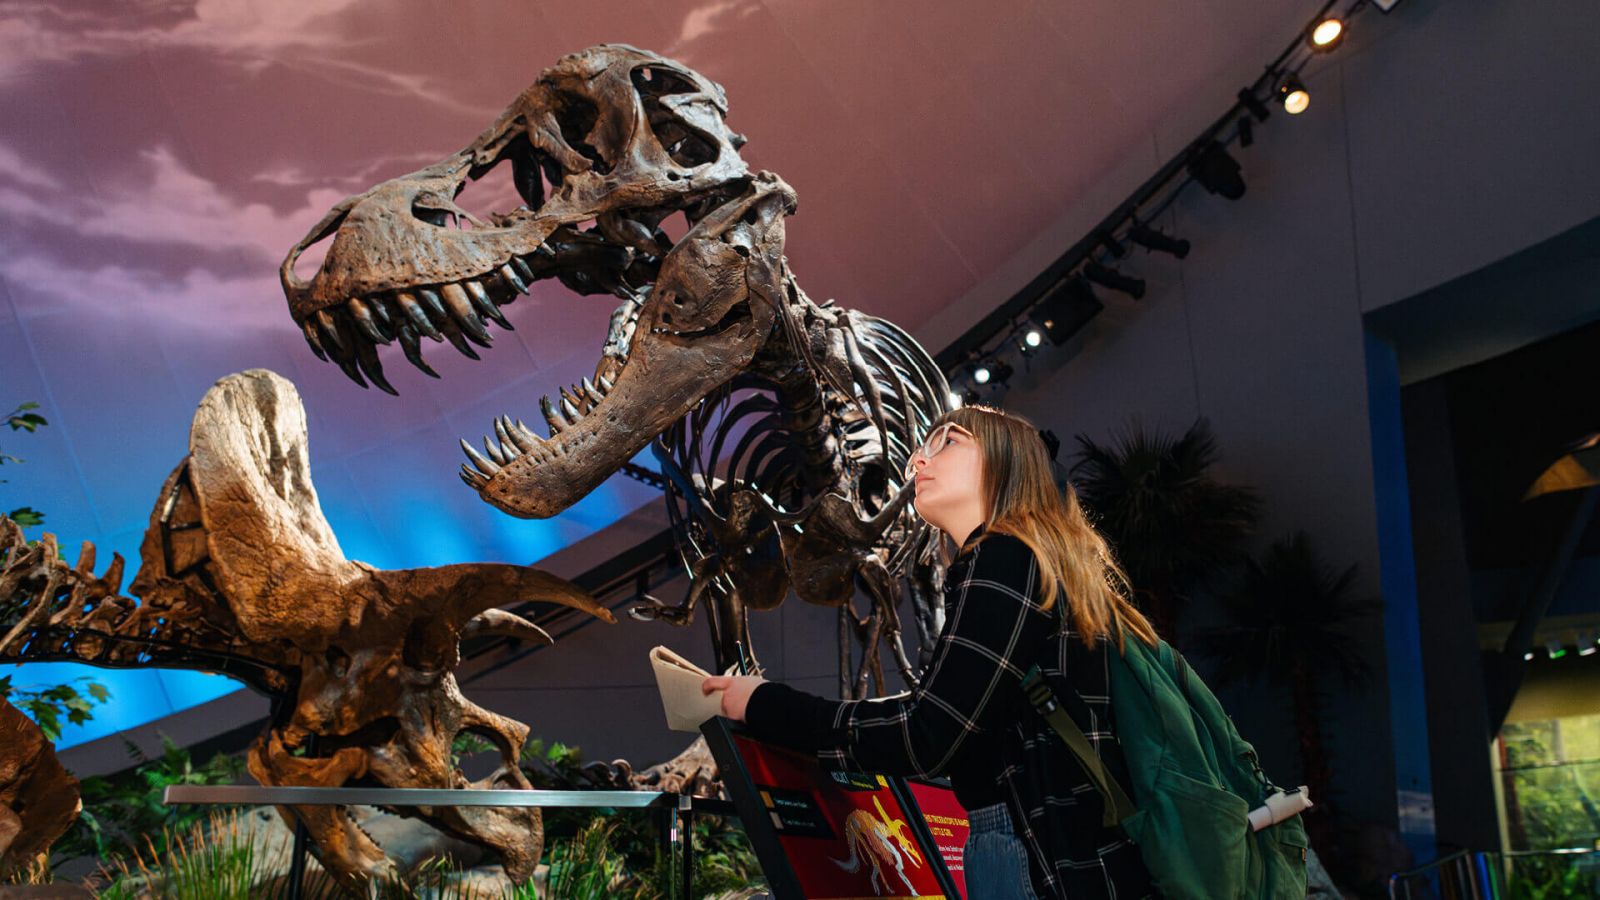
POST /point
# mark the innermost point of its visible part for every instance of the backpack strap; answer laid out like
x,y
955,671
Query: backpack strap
x,y
1117,805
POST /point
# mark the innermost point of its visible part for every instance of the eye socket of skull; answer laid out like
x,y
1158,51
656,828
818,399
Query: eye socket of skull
x,y
578,116
686,145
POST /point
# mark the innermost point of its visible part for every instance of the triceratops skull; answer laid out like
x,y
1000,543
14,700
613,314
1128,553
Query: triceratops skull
x,y
239,541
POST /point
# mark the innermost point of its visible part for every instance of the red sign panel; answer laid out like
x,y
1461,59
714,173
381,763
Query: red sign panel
x,y
846,835
947,821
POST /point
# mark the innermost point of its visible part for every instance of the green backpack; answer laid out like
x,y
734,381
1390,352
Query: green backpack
x,y
1195,781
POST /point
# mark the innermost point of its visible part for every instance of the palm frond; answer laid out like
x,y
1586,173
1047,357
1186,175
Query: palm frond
x,y
1154,498
1288,608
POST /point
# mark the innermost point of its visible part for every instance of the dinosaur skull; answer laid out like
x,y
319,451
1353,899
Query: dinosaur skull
x,y
614,136
239,544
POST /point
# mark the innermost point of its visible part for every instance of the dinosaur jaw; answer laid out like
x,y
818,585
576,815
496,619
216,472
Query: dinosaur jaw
x,y
713,308
457,284
609,421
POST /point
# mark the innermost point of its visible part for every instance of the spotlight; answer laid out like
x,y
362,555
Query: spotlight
x,y
1527,657
955,399
1587,645
1294,96
1151,239
1216,171
1553,648
991,371
1111,278
1033,338
1065,308
1325,34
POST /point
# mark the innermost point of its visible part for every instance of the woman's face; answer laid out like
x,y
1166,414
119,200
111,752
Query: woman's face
x,y
949,479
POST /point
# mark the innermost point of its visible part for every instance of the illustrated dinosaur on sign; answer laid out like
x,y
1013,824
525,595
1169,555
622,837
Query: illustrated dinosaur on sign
x,y
869,839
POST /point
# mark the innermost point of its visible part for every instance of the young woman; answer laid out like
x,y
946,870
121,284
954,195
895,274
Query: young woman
x,y
1032,584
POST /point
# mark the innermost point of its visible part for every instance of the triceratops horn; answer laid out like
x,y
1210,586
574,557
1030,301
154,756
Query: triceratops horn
x,y
460,592
504,624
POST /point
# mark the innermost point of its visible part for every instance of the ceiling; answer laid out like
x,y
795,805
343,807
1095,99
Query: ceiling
x,y
159,157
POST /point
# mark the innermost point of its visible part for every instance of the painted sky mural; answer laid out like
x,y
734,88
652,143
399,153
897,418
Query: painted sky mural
x,y
158,157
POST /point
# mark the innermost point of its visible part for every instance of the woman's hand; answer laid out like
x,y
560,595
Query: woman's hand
x,y
736,691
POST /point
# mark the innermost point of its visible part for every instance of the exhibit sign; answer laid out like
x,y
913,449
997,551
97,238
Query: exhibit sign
x,y
947,823
823,835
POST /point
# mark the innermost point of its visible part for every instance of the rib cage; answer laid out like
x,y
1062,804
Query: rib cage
x,y
799,431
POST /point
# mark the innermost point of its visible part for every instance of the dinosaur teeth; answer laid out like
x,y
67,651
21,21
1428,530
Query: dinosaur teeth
x,y
362,313
493,449
413,348
412,307
593,392
523,436
310,331
485,305
460,307
511,278
484,466
473,477
569,406
330,329
381,313
582,400
509,447
557,423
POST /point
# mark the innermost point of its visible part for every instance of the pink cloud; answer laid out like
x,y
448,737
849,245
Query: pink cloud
x,y
315,36
14,168
166,203
199,302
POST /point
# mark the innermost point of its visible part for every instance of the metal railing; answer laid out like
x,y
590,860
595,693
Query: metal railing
x,y
1462,875
1490,875
675,811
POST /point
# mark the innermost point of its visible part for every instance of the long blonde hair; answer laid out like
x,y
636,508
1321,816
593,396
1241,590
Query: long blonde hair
x,y
1023,501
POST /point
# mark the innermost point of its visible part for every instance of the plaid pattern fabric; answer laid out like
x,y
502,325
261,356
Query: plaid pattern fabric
x,y
994,632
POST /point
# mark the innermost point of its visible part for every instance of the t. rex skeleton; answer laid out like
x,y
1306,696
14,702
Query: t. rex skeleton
x,y
241,574
714,344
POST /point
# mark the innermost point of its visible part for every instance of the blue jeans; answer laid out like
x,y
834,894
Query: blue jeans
x,y
994,861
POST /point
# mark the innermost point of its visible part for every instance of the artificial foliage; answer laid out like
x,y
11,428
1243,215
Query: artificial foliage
x,y
1171,522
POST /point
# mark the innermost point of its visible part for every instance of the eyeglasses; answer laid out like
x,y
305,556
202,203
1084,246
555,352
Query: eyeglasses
x,y
937,440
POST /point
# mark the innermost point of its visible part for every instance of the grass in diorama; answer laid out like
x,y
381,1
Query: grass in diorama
x,y
147,849
216,858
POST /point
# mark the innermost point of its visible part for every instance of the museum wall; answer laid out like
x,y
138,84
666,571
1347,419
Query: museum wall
x,y
1441,140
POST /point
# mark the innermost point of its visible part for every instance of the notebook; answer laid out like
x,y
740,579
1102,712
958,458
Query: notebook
x,y
679,681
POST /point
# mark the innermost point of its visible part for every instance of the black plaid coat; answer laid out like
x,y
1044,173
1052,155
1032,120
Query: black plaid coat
x,y
994,632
